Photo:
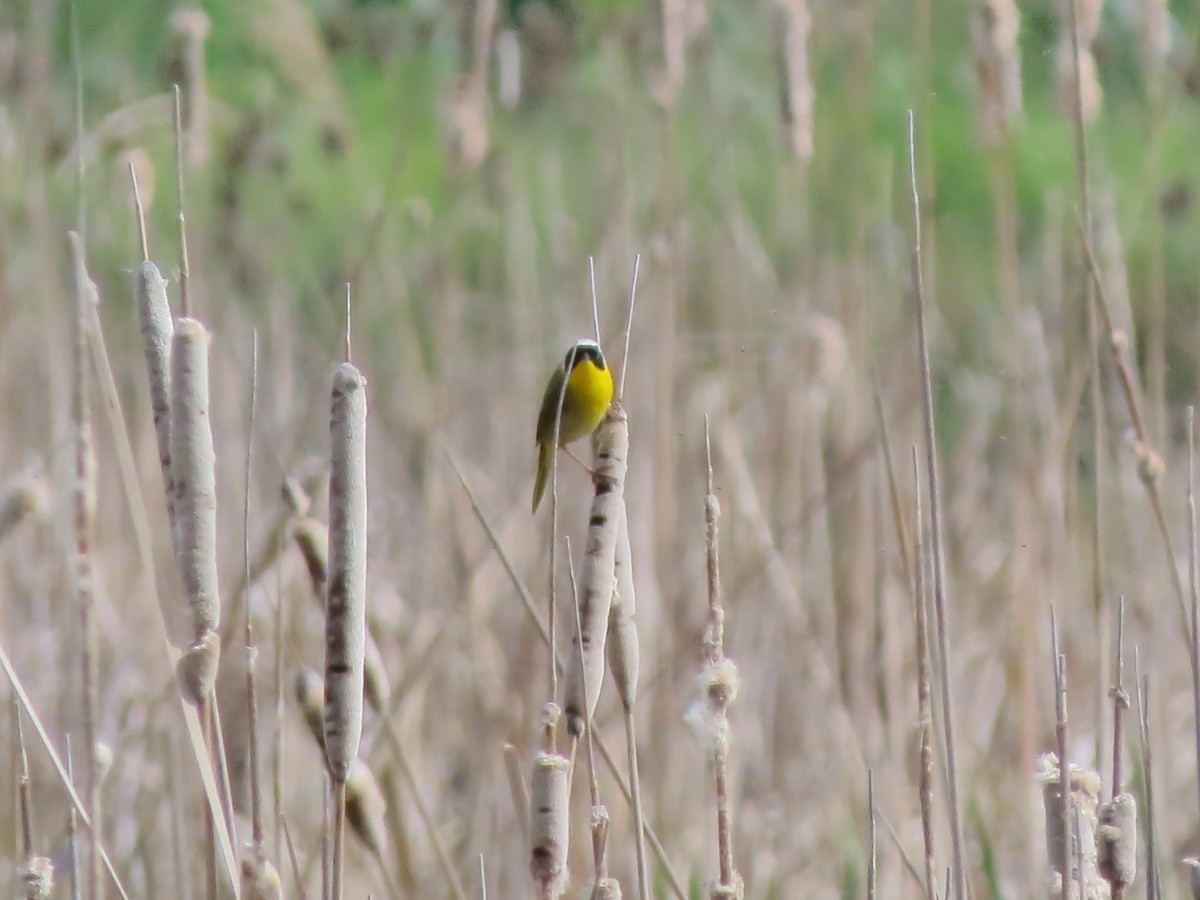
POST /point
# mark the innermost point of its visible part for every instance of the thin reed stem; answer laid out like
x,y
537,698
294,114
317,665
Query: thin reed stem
x,y
935,505
181,220
872,873
633,281
84,494
1064,768
1193,580
924,694
251,651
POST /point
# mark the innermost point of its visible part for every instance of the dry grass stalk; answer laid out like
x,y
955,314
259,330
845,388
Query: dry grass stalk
x,y
180,219
1118,817
798,93
259,878
872,874
1153,877
549,823
68,783
599,823
84,502
193,464
1194,580
624,664
935,506
1058,846
366,809
597,580
995,29
36,872
924,701
719,686
73,834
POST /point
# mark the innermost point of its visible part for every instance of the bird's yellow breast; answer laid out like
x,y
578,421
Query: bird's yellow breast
x,y
590,389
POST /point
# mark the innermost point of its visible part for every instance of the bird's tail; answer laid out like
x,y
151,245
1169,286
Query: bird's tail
x,y
545,461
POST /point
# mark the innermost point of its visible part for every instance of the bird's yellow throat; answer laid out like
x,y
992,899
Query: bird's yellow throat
x,y
592,388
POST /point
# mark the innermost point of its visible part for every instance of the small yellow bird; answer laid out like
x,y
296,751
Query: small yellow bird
x,y
588,392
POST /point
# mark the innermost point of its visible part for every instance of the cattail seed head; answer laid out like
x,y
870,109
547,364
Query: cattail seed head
x,y
1150,465
309,690
1117,835
37,877
624,658
312,540
260,880
1084,800
23,498
995,29
798,93
196,669
193,465
549,826
366,810
585,663
346,604
158,328
735,891
607,889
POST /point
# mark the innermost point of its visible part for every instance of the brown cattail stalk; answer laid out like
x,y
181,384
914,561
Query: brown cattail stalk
x,y
1060,849
597,580
624,664
1147,774
346,606
1117,834
719,683
181,220
924,702
941,616
73,832
599,818
84,493
36,872
260,880
872,874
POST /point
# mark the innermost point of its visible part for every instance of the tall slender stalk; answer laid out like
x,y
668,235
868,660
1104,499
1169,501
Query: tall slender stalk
x,y
935,505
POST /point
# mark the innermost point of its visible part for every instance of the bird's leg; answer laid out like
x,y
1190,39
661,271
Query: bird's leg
x,y
582,464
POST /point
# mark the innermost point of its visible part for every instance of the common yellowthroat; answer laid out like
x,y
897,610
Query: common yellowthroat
x,y
588,392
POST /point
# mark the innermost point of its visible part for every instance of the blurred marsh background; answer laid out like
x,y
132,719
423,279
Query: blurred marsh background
x,y
458,163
